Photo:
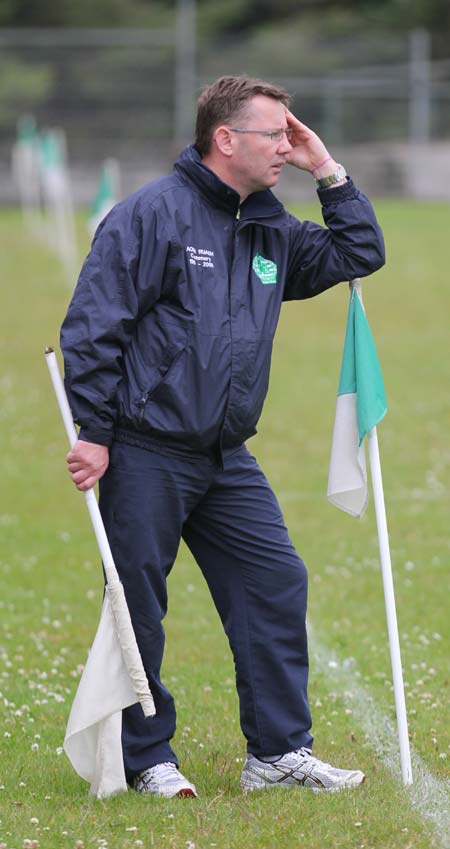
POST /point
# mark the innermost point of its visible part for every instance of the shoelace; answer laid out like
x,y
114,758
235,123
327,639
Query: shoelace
x,y
164,771
308,755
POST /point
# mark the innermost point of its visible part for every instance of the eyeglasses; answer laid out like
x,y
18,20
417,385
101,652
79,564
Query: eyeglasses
x,y
273,135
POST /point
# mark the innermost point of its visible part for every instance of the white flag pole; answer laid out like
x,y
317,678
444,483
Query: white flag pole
x,y
389,597
389,600
125,632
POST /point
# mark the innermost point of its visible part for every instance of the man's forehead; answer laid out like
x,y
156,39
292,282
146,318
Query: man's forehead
x,y
267,108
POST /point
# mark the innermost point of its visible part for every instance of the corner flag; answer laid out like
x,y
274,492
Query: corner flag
x,y
106,195
114,676
93,736
361,404
25,166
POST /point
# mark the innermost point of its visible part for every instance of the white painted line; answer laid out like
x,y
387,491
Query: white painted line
x,y
427,794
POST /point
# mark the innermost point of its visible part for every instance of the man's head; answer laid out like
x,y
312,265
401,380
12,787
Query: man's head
x,y
227,101
241,132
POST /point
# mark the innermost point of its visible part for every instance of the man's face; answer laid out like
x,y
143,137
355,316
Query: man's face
x,y
257,159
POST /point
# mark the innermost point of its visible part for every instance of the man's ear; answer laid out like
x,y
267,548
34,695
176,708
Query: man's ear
x,y
224,141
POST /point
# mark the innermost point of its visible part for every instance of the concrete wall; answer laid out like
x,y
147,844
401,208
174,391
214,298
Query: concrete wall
x,y
395,170
380,170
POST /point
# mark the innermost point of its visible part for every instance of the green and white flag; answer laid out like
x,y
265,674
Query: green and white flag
x,y
106,195
27,139
361,405
53,165
25,166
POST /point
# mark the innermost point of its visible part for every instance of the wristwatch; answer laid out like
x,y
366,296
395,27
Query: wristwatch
x,y
325,182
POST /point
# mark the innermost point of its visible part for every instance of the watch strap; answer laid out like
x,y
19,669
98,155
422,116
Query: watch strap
x,y
331,179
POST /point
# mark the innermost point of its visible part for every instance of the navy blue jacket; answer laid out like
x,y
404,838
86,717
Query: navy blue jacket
x,y
169,331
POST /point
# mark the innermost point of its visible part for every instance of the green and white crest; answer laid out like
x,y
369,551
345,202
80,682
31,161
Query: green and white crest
x,y
265,269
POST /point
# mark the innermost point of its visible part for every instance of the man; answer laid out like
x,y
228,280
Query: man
x,y
167,345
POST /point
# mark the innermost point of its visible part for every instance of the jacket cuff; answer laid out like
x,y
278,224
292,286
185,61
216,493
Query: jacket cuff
x,y
97,435
347,191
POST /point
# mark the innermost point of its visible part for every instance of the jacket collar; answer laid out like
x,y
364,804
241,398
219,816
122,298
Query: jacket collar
x,y
258,205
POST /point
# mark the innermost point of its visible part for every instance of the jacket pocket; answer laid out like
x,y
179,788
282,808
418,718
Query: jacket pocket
x,y
161,372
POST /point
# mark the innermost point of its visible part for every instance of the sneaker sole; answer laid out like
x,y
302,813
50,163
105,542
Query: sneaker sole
x,y
251,785
183,792
186,793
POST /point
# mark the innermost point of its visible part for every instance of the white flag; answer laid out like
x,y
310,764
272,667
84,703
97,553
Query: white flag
x,y
93,741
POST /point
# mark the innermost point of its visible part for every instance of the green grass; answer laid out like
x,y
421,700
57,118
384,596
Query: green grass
x,y
51,581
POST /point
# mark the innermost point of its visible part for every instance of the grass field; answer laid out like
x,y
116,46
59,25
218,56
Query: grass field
x,y
51,580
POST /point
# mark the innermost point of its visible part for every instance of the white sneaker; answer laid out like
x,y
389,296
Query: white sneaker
x,y
163,780
297,768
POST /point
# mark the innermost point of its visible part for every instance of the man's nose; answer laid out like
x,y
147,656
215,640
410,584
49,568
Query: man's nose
x,y
285,145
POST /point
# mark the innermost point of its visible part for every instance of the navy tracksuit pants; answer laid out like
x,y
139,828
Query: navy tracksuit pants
x,y
232,523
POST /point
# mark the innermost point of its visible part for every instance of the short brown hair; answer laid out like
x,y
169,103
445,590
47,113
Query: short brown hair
x,y
224,100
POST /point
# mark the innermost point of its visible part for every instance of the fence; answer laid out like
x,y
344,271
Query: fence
x,y
130,94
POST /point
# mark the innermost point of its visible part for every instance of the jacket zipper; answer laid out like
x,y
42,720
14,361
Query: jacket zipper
x,y
142,404
234,229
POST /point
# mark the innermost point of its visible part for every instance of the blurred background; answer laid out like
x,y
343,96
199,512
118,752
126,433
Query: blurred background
x,y
119,79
